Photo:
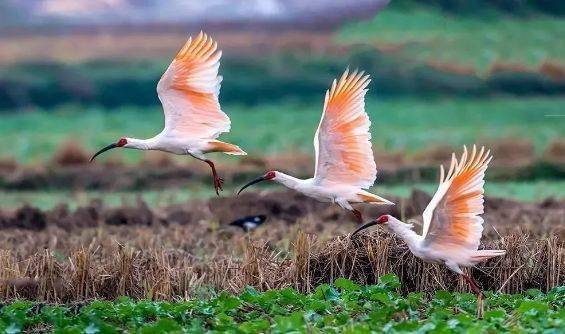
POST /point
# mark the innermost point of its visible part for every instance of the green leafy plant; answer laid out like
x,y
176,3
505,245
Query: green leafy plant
x,y
344,307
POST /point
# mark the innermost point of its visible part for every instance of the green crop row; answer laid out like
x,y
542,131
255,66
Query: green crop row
x,y
344,307
271,79
534,191
482,7
469,43
397,124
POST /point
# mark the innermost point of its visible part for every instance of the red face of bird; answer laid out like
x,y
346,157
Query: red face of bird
x,y
382,220
270,175
120,143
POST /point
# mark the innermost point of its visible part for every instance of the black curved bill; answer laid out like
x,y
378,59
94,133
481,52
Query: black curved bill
x,y
109,147
364,226
257,180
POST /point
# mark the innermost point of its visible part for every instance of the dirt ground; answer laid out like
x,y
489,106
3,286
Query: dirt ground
x,y
97,252
283,207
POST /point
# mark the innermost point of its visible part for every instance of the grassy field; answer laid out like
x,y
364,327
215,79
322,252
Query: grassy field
x,y
344,307
428,35
523,191
398,124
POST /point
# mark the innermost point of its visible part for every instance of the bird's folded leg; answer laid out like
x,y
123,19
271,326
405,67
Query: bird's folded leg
x,y
218,181
358,216
480,306
475,288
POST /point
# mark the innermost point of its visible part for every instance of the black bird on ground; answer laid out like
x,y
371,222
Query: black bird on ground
x,y
250,222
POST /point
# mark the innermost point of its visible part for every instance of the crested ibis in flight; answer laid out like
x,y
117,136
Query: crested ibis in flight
x,y
452,225
345,164
188,91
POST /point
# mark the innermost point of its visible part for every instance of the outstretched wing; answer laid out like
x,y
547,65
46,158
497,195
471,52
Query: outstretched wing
x,y
451,221
343,141
189,91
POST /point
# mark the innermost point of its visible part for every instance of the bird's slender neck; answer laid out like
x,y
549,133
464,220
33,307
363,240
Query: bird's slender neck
x,y
288,180
405,232
140,144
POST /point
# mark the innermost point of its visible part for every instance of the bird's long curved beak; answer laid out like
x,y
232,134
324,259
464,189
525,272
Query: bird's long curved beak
x,y
369,224
109,147
257,180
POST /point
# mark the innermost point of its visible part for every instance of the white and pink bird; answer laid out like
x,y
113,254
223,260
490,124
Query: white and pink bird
x,y
452,225
188,91
345,165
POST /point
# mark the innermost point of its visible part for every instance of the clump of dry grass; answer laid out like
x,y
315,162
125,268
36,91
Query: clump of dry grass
x,y
512,152
505,66
70,154
434,155
164,273
555,152
553,69
452,68
529,263
8,164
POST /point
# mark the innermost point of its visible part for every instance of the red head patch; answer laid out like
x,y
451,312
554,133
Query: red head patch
x,y
122,142
382,219
270,175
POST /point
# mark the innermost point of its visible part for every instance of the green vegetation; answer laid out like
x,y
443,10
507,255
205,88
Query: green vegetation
x,y
398,124
485,7
522,191
343,308
430,35
413,47
155,198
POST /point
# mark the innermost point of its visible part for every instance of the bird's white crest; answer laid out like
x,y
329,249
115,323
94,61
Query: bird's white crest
x,y
189,91
343,141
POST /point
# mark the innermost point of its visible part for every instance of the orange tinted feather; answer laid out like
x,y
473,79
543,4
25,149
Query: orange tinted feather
x,y
455,222
343,141
189,91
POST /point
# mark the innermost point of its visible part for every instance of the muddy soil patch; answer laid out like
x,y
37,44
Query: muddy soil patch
x,y
70,168
284,207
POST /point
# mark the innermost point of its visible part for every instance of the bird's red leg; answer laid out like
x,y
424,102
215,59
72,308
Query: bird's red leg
x,y
358,215
218,181
475,288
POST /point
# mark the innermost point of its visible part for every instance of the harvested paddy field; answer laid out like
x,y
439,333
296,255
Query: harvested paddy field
x,y
64,255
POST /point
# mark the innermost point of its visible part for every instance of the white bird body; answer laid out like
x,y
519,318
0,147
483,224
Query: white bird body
x,y
341,194
345,164
188,91
171,144
424,249
452,224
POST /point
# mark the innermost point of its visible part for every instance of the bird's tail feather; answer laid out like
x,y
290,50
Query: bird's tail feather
x,y
367,197
483,255
220,146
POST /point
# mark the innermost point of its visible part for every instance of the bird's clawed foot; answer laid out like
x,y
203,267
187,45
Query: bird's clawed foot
x,y
218,181
358,216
